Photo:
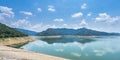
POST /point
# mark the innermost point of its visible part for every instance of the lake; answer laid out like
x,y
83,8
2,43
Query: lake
x,y
78,48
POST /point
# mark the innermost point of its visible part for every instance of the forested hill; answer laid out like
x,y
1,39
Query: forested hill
x,y
6,31
28,32
80,32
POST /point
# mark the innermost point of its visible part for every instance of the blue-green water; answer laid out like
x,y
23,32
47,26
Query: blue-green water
x,y
75,48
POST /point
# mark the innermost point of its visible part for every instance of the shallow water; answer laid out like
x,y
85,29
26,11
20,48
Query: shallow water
x,y
76,48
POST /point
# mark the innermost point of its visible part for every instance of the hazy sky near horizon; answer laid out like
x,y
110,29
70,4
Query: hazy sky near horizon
x,y
38,15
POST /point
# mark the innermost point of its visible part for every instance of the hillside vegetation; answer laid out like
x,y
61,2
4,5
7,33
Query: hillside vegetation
x,y
80,32
6,31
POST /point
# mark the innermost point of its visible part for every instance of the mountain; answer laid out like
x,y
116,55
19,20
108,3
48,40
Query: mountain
x,y
6,31
89,32
28,32
81,32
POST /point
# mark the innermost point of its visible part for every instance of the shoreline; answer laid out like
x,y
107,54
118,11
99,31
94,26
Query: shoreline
x,y
15,40
9,53
19,54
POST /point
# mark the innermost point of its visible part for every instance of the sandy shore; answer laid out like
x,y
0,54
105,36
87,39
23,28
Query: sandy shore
x,y
16,40
18,54
9,53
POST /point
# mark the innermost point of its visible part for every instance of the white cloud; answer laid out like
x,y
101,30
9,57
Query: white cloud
x,y
41,27
58,20
79,14
102,17
89,14
65,25
51,8
6,13
26,24
21,23
83,23
39,9
26,13
107,18
84,6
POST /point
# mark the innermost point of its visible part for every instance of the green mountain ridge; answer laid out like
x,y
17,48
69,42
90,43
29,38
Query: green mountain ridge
x,y
80,32
28,32
6,31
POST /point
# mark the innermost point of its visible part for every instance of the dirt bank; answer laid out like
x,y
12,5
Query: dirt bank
x,y
15,40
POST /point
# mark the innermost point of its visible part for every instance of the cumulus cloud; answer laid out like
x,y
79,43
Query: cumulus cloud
x,y
39,9
84,6
26,24
26,13
51,8
41,27
58,20
21,23
83,23
65,25
89,14
6,12
79,14
107,18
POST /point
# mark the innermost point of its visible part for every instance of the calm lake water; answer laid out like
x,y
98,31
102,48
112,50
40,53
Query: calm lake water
x,y
76,48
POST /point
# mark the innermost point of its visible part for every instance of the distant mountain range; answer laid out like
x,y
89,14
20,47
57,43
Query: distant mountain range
x,y
80,32
28,32
6,31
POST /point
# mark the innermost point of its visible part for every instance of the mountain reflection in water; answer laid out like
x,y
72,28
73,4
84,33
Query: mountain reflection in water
x,y
67,40
78,48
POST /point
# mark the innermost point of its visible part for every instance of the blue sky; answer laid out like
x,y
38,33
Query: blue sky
x,y
38,15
